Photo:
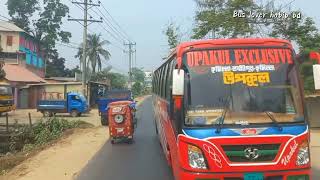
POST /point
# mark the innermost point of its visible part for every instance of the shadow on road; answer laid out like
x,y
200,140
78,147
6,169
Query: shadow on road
x,y
143,159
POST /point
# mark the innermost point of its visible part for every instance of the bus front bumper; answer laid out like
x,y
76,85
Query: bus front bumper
x,y
298,174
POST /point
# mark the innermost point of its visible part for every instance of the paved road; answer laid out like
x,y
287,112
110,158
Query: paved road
x,y
144,159
141,160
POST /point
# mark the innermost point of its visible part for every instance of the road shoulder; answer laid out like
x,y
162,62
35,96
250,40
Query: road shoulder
x,y
64,159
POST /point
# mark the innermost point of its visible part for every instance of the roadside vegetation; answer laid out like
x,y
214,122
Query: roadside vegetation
x,y
25,141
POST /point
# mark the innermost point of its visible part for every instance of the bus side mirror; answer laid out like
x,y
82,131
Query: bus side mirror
x,y
178,82
315,56
316,76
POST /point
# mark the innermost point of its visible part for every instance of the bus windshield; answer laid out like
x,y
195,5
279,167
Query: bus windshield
x,y
5,90
242,86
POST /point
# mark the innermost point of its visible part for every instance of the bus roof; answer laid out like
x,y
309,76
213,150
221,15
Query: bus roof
x,y
238,41
227,42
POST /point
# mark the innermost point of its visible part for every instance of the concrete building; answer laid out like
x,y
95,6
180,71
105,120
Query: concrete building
x,y
23,60
24,67
20,48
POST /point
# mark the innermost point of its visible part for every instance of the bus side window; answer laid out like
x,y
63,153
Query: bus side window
x,y
160,81
169,80
165,83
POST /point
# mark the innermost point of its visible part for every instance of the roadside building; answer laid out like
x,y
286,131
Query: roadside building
x,y
23,60
148,79
59,89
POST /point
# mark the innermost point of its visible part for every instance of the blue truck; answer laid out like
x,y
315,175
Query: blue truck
x,y
109,97
75,104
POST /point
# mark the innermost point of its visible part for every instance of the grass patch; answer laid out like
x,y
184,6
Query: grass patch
x,y
26,141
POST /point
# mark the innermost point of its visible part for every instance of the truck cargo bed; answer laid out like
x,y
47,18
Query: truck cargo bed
x,y
52,105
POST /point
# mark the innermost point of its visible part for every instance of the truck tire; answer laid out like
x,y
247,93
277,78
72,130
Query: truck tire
x,y
74,113
104,120
47,114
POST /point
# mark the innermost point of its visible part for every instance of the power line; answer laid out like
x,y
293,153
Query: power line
x,y
119,31
128,37
111,43
287,5
5,17
85,21
113,36
67,45
116,32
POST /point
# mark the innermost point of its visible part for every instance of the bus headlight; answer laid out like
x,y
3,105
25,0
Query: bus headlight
x,y
118,118
196,158
303,156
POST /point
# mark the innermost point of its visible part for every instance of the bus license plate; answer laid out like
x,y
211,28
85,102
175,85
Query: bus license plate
x,y
253,176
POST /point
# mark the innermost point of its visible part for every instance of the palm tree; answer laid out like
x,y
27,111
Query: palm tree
x,y
96,52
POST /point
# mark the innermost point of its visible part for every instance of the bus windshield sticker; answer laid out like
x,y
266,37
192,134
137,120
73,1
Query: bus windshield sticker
x,y
238,57
250,79
243,68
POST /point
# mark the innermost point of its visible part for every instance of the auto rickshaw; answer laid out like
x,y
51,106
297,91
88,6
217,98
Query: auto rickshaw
x,y
122,121
108,97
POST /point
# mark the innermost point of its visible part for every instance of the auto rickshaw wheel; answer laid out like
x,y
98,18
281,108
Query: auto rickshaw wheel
x,y
112,141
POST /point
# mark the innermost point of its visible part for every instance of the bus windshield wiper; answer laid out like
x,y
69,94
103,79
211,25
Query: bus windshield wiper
x,y
273,120
223,115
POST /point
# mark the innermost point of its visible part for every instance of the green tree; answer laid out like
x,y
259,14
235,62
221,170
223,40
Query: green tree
x,y
137,89
118,81
21,11
72,72
46,28
101,75
138,75
172,33
305,33
216,16
96,53
57,68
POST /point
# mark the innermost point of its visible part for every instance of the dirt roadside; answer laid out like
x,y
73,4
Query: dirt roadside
x,y
64,159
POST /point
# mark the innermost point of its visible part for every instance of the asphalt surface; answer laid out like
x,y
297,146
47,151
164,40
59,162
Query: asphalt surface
x,y
144,158
141,160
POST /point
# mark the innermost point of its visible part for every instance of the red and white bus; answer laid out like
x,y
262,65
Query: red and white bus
x,y
232,109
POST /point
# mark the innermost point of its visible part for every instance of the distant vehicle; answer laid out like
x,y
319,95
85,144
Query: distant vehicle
x,y
6,98
109,97
122,121
75,104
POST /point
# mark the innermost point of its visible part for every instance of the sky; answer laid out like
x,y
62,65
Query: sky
x,y
144,21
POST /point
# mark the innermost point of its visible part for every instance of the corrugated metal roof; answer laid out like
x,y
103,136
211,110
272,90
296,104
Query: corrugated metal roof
x,y
8,27
64,79
18,73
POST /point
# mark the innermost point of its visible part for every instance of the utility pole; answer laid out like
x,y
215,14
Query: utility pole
x,y
85,21
130,44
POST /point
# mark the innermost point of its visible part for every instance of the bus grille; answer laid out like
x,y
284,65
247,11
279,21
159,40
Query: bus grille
x,y
251,153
